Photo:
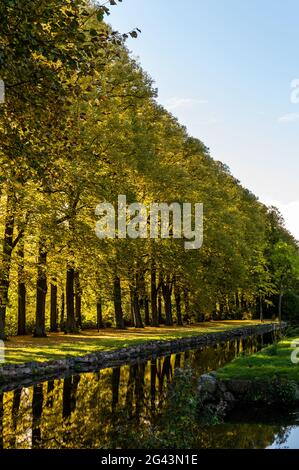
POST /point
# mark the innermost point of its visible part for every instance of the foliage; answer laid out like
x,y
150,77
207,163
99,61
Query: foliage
x,y
81,125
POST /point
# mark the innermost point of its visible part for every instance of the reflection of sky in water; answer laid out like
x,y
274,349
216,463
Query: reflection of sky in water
x,y
291,442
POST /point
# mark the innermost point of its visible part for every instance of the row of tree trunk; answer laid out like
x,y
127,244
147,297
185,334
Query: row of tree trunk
x,y
71,300
161,292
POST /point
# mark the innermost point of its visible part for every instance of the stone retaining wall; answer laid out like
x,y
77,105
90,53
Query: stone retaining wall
x,y
13,375
218,394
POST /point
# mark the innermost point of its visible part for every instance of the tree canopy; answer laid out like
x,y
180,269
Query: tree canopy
x,y
81,125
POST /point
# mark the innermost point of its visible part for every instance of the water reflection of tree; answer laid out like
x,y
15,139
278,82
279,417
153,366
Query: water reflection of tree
x,y
70,387
239,436
115,387
116,407
282,436
37,410
15,414
1,421
50,388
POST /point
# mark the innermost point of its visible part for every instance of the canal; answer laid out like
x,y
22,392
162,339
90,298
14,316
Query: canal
x,y
111,408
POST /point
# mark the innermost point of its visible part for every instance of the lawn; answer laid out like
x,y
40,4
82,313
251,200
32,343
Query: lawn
x,y
273,361
57,345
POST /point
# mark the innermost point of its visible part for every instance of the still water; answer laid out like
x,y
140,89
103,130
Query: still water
x,y
257,428
111,407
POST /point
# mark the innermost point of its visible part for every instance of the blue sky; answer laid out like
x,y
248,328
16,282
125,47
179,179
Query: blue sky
x,y
224,68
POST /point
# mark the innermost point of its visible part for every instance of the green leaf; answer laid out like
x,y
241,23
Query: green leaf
x,y
93,32
100,16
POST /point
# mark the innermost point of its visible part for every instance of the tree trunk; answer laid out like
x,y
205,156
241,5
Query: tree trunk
x,y
243,303
119,319
21,291
187,305
78,308
146,312
221,309
168,309
137,315
144,302
78,301
261,309
100,323
166,291
160,316
62,309
6,260
70,326
239,301
280,307
41,292
53,308
154,293
178,306
132,305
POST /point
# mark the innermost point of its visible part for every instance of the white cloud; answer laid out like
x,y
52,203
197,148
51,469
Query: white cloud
x,y
175,103
290,212
291,117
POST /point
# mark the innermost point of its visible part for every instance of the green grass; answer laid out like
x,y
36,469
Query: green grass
x,y
272,362
57,346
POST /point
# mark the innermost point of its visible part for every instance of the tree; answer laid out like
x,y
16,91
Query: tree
x,y
286,270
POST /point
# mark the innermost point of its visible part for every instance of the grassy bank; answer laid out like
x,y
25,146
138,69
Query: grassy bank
x,y
58,346
270,363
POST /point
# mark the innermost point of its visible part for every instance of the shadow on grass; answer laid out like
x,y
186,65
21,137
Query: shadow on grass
x,y
57,346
